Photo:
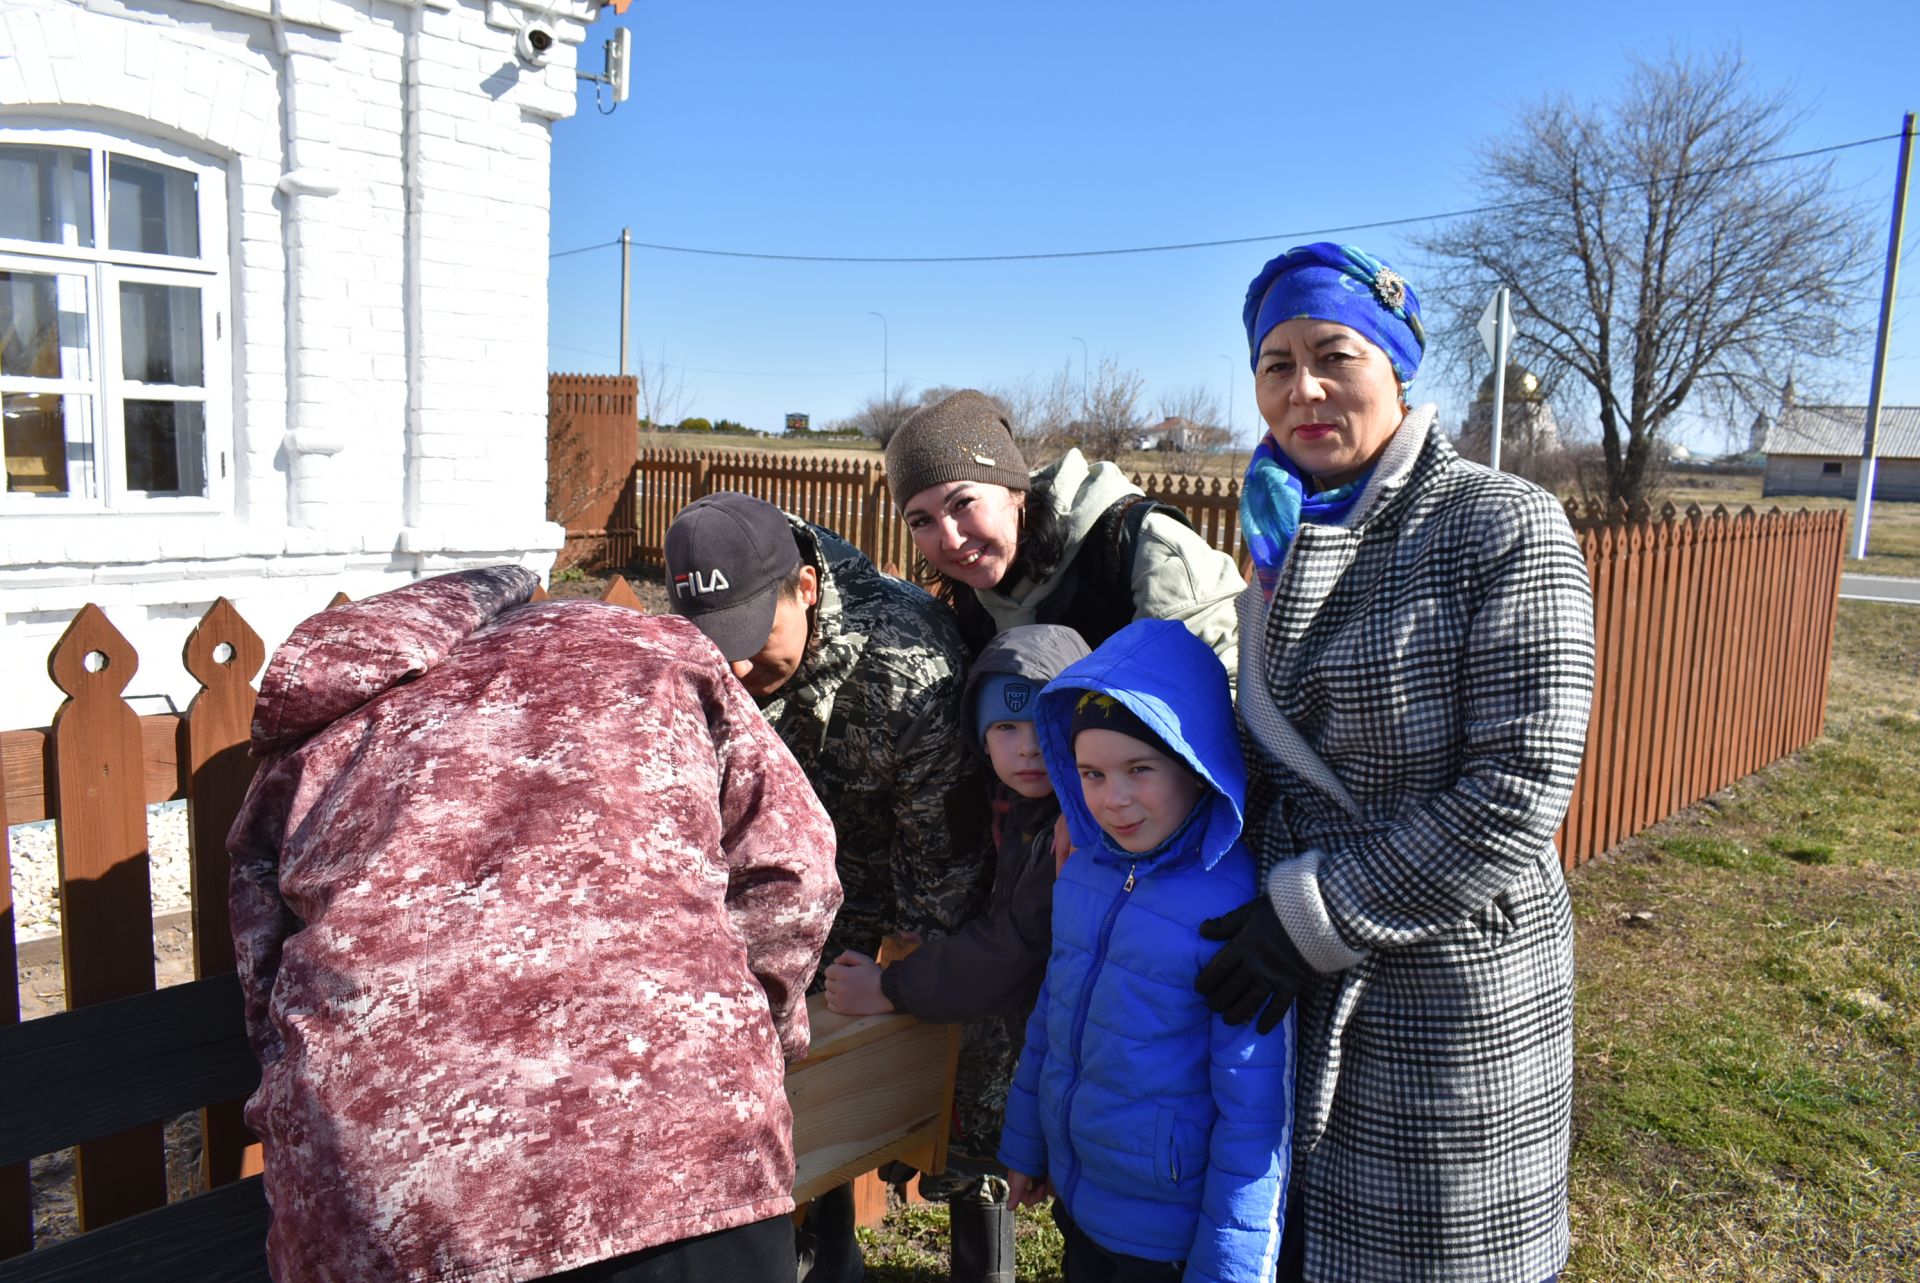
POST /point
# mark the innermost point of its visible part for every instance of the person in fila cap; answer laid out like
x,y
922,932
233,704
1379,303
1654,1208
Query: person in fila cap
x,y
861,675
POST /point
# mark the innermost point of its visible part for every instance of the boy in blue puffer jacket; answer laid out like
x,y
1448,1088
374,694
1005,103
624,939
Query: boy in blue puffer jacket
x,y
1163,1133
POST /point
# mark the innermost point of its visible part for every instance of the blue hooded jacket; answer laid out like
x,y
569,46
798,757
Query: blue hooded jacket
x,y
1166,1132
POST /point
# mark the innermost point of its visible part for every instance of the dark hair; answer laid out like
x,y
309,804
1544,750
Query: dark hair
x,y
790,586
1041,548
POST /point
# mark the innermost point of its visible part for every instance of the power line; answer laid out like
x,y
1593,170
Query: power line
x,y
744,374
1236,240
583,249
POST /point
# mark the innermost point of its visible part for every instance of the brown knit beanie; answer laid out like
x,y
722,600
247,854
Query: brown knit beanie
x,y
963,438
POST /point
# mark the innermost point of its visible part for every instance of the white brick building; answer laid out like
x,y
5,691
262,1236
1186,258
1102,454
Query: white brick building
x,y
273,305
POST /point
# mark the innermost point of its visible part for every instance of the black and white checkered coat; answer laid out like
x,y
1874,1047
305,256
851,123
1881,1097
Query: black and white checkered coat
x,y
1416,700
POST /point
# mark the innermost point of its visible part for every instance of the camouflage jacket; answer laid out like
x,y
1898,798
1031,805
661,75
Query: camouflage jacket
x,y
873,715
525,901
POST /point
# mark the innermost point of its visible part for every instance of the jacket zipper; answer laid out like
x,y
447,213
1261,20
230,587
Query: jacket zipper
x,y
1080,1023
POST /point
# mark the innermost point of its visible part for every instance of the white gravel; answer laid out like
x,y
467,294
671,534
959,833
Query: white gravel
x,y
36,902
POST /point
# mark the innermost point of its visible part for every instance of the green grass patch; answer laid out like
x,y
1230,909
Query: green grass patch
x,y
1747,1030
1747,1026
911,1246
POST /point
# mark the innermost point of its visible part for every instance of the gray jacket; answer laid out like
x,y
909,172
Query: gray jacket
x,y
1417,697
1176,573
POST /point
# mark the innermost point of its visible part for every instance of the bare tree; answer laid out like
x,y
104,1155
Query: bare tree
x,y
1043,408
663,391
1657,251
879,417
1110,422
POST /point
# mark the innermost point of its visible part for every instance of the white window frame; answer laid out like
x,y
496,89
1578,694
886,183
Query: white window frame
x,y
104,270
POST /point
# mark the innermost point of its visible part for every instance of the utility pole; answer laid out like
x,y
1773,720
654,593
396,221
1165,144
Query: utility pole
x,y
1232,438
626,290
1863,502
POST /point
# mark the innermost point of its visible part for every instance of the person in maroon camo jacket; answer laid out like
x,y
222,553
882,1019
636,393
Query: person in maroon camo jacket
x,y
525,901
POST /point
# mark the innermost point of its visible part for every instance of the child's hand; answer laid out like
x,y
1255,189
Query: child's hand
x,y
853,986
1023,1189
1062,844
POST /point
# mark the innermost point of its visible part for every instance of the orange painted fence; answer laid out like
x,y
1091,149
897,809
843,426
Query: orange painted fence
x,y
1714,636
1713,641
592,434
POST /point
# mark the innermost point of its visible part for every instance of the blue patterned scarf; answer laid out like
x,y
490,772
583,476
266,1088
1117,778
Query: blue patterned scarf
x,y
1275,498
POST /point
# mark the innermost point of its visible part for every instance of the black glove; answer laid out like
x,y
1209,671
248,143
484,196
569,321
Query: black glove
x,y
1259,967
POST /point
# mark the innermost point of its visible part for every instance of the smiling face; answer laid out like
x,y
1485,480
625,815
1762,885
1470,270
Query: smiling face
x,y
1014,750
967,530
1329,397
1138,794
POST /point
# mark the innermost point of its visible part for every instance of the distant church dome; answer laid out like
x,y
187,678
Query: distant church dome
x,y
1527,425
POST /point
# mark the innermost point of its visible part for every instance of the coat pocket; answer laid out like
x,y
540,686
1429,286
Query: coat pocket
x,y
1180,1150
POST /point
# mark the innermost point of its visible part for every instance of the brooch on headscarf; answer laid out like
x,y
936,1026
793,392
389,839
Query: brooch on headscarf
x,y
1390,288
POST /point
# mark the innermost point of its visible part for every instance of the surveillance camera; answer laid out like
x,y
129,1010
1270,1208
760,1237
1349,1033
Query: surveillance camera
x,y
534,42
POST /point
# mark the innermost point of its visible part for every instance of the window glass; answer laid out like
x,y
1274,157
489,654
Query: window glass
x,y
152,209
43,325
38,428
46,194
160,333
166,447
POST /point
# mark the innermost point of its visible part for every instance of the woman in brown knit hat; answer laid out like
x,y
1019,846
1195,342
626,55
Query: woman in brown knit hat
x,y
1073,543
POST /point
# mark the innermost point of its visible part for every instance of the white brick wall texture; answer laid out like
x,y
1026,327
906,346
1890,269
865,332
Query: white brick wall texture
x,y
387,422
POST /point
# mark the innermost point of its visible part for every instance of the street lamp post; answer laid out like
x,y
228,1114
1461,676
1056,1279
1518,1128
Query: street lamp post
x,y
1083,373
884,365
1232,437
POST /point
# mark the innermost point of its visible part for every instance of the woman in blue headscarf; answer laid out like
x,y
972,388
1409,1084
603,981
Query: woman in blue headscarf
x,y
1416,664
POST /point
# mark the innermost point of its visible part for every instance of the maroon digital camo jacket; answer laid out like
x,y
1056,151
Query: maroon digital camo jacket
x,y
526,900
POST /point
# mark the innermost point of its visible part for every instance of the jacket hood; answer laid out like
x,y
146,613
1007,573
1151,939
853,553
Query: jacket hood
x,y
1040,652
1172,681
352,653
1082,491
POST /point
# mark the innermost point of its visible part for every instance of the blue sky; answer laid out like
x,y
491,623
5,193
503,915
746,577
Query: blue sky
x,y
855,128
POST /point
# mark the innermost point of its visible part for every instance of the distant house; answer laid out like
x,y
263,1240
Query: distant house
x,y
273,298
1180,434
1815,450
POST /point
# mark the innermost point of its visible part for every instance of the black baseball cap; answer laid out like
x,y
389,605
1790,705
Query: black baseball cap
x,y
727,555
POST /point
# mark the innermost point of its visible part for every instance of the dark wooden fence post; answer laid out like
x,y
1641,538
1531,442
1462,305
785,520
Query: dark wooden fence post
x,y
106,900
16,1195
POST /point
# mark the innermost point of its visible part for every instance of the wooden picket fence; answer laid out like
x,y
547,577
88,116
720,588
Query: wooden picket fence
x,y
122,1050
848,495
1714,639
592,434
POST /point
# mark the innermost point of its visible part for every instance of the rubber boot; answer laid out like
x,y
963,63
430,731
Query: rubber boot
x,y
982,1237
835,1255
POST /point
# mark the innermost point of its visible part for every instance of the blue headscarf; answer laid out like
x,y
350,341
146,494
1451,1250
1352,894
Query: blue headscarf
x,y
1339,283
1323,282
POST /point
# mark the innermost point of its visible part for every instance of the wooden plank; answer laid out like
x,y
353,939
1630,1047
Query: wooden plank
x,y
872,1089
28,763
218,1237
106,904
224,653
104,1068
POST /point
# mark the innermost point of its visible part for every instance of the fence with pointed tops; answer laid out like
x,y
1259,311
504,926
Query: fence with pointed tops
x,y
1714,635
95,770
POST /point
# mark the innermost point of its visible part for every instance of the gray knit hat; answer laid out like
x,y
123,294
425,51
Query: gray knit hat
x,y
963,438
